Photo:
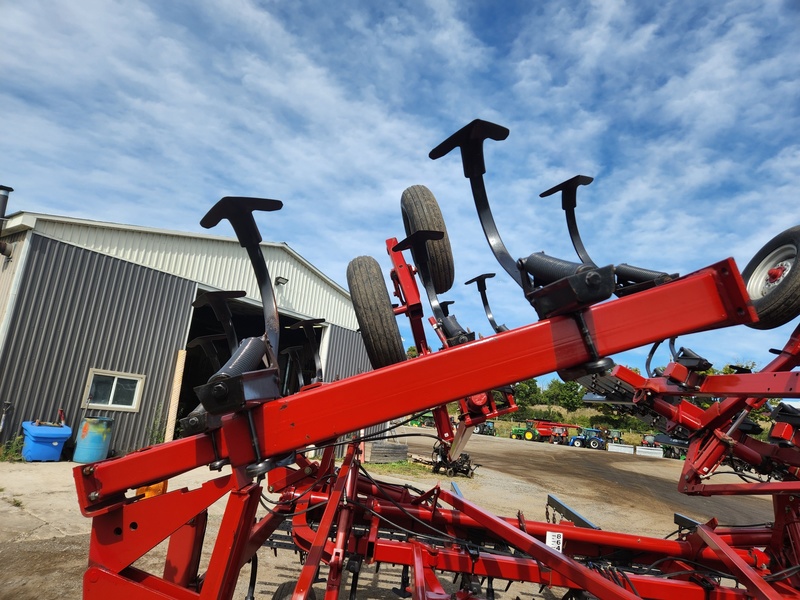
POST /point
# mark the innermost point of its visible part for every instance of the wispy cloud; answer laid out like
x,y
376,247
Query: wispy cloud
x,y
147,112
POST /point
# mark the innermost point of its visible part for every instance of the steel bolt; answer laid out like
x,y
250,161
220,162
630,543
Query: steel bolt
x,y
94,496
593,278
88,470
220,391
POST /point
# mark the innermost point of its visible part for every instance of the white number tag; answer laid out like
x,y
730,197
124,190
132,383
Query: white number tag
x,y
555,540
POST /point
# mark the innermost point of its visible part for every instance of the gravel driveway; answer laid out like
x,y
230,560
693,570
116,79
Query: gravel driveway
x,y
44,538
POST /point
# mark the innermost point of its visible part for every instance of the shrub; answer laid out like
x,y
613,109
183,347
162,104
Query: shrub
x,y
11,451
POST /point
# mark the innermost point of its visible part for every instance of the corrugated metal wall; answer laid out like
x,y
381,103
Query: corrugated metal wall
x,y
346,354
77,310
309,293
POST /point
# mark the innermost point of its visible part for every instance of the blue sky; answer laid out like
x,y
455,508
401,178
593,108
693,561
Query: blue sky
x,y
685,113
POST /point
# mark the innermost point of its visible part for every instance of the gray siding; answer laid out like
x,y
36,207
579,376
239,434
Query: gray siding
x,y
346,354
77,310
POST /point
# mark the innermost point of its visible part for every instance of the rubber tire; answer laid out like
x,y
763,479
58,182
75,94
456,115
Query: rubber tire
x,y
528,436
286,589
450,472
594,444
578,443
374,312
421,212
780,303
513,436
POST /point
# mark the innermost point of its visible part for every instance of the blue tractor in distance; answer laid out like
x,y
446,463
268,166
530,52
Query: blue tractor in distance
x,y
592,438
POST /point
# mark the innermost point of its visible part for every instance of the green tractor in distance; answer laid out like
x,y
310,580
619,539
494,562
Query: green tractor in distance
x,y
613,436
424,420
543,431
524,432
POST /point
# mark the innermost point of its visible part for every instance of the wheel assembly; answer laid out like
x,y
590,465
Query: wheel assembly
x,y
374,312
773,280
421,212
286,590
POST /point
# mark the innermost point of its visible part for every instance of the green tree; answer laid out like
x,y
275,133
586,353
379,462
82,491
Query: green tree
x,y
411,352
527,394
568,394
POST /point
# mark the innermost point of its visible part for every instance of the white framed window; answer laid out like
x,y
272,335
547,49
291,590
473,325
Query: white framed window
x,y
111,390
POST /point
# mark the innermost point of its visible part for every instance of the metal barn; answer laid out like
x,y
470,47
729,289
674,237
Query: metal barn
x,y
98,319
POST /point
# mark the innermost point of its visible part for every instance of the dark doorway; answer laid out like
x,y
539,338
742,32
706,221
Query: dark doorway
x,y
207,348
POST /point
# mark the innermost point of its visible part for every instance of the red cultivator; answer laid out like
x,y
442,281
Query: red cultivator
x,y
342,518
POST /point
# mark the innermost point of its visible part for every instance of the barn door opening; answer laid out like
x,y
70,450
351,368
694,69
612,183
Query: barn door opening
x,y
207,348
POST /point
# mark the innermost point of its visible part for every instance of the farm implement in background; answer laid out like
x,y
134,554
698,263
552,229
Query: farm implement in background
x,y
342,518
540,430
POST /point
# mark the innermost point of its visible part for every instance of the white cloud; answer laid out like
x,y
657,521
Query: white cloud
x,y
147,112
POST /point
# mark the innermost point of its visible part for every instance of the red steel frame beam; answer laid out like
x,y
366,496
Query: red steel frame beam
x,y
543,565
745,574
741,391
529,570
711,298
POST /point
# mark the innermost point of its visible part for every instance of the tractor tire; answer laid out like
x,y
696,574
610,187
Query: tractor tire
x,y
374,312
772,278
450,472
594,444
528,436
421,212
513,436
286,590
477,430
578,443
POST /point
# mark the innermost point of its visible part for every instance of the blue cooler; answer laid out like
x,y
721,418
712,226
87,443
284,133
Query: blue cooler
x,y
43,442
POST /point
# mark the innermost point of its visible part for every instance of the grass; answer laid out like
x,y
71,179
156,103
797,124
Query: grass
x,y
15,502
11,451
404,468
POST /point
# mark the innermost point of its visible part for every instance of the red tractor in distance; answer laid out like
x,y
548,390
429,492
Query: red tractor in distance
x,y
554,433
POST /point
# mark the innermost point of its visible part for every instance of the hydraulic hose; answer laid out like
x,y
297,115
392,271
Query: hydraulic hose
x,y
246,358
637,274
547,269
